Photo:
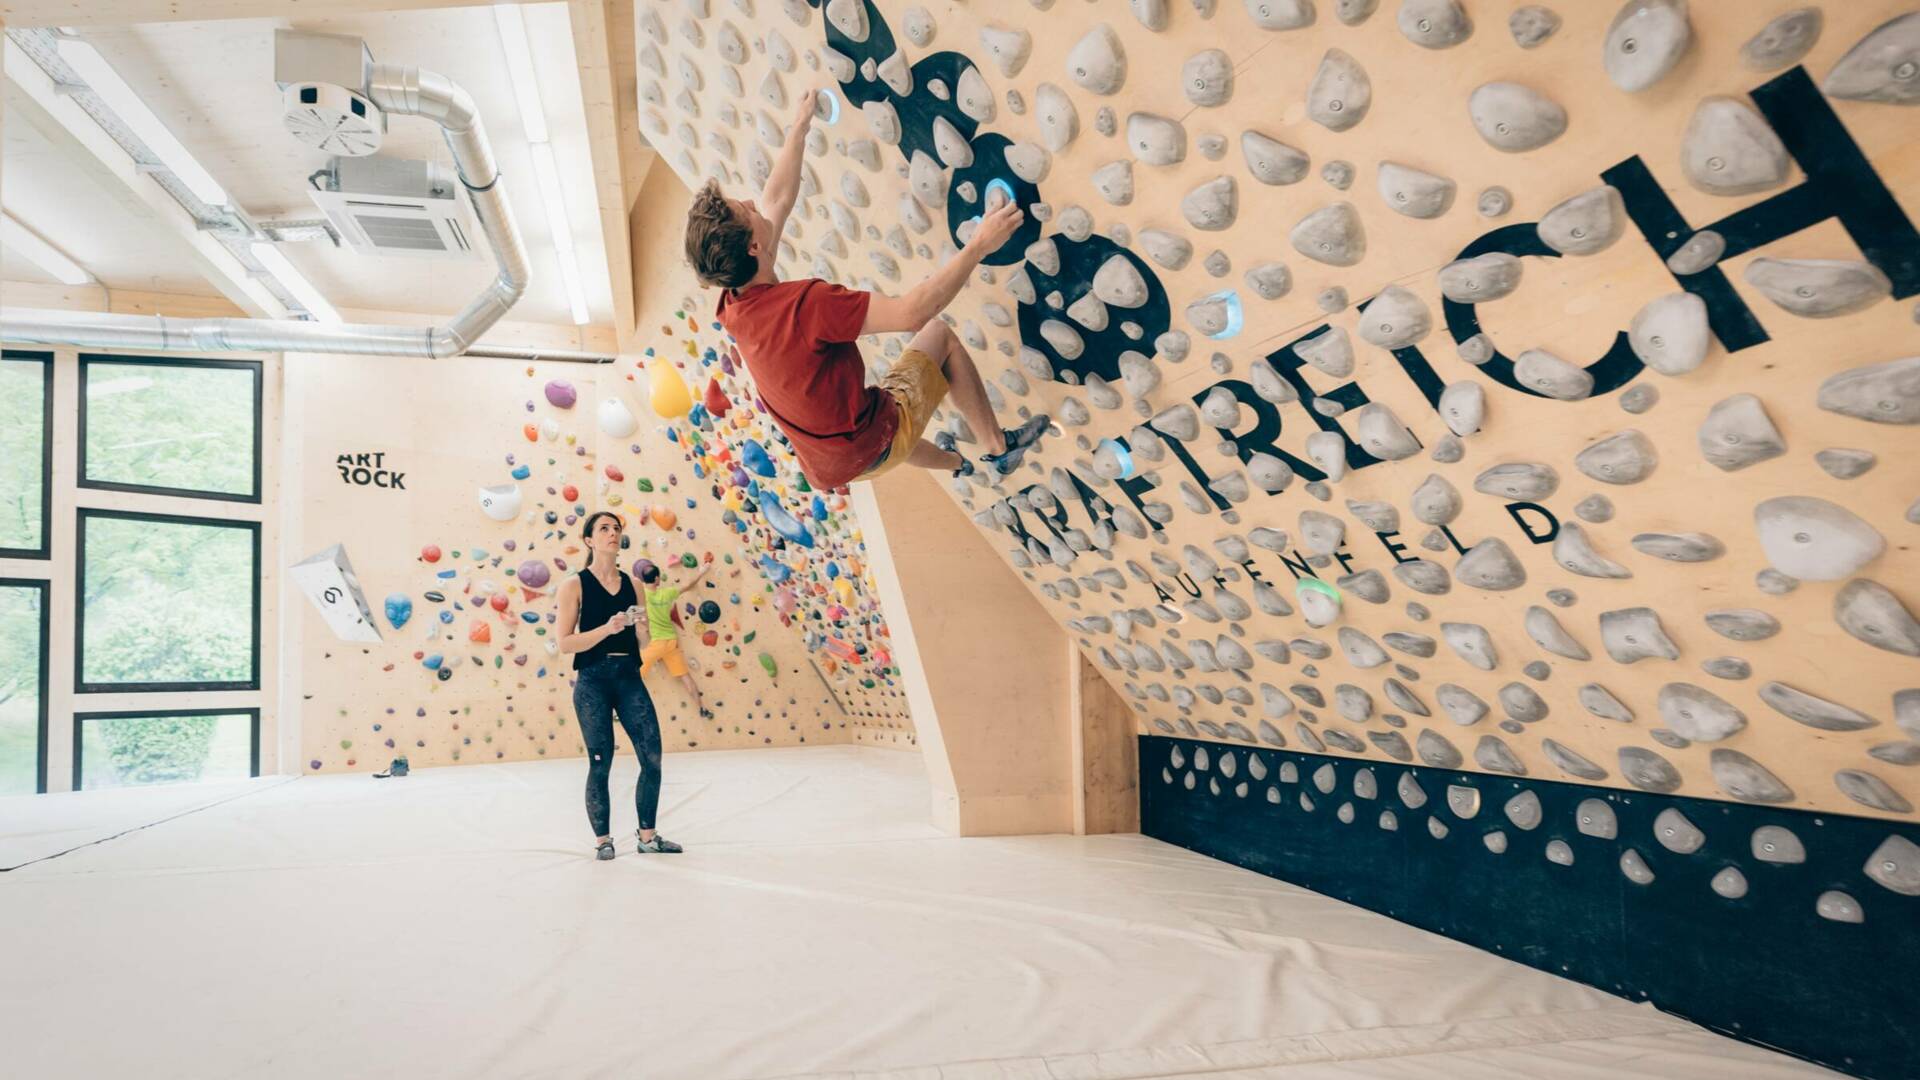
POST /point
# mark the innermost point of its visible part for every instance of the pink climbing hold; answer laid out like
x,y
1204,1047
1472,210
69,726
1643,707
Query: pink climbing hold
x,y
561,394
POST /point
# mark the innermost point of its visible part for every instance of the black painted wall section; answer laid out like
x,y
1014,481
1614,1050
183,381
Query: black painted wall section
x,y
1764,967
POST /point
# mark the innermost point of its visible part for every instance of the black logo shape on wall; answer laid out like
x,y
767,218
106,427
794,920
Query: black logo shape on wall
x,y
368,469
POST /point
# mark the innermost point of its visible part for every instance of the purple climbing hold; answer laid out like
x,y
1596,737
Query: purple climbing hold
x,y
561,394
533,574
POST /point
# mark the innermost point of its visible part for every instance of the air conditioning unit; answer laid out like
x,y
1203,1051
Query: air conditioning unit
x,y
396,206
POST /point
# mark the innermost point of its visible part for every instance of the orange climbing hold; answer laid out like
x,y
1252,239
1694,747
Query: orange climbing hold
x,y
663,517
480,633
531,431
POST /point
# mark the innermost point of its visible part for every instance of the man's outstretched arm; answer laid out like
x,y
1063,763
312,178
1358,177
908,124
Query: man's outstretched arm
x,y
920,304
783,184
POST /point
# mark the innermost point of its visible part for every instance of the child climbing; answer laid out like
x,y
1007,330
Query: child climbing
x,y
596,626
665,644
797,337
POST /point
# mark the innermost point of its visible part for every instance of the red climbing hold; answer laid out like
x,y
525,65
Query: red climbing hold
x,y
716,399
570,493
430,553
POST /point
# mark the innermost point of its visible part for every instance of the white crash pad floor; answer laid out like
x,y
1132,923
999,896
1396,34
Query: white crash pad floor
x,y
453,924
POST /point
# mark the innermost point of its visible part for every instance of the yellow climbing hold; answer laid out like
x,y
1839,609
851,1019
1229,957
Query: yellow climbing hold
x,y
669,397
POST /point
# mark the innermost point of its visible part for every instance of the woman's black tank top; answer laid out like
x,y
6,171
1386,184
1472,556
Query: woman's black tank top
x,y
596,607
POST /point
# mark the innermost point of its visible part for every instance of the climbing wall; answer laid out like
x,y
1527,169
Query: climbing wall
x,y
1510,389
460,556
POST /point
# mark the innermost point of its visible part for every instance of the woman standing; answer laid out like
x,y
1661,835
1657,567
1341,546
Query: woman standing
x,y
597,612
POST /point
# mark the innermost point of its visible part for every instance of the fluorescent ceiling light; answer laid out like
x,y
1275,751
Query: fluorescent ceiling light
x,y
112,90
533,117
526,88
296,282
548,176
28,245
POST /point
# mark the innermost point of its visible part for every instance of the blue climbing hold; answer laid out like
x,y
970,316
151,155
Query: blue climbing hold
x,y
432,663
521,472
399,610
754,456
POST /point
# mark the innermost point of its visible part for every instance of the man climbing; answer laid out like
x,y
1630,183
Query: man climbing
x,y
797,338
664,646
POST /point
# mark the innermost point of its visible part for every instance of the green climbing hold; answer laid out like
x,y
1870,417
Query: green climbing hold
x,y
689,560
643,484
751,634
346,744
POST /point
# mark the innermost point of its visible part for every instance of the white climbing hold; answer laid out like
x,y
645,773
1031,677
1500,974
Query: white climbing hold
x,y
1728,149
1585,224
1098,63
1414,192
1340,94
1671,334
1814,540
1515,118
1883,66
1645,41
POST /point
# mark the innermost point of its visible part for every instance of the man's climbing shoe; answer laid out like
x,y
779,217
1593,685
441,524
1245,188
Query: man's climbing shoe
x,y
659,845
1019,441
965,470
604,851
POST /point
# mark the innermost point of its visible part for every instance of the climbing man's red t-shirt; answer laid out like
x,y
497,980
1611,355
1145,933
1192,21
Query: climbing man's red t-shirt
x,y
797,338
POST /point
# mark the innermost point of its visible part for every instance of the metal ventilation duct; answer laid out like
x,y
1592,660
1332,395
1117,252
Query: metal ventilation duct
x,y
396,90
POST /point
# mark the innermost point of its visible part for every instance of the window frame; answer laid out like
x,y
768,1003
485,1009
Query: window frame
x,y
46,671
45,551
252,713
80,685
88,360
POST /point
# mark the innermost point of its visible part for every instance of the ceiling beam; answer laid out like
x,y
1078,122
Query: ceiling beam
x,y
41,14
603,47
31,98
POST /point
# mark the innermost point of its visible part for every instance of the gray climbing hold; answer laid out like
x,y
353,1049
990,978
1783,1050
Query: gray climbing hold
x,y
1625,457
1340,94
1595,818
1729,882
1353,703
1103,121
1870,791
1548,375
1461,705
1402,697
1532,25
1648,771
1845,464
849,17
1778,844
1676,833
954,150
1321,533
894,72
1212,206
1331,235
1009,48
884,121
1331,299
1098,63
1559,853
1482,277
1634,868
1670,334
1448,450
1354,12
1815,712
1471,642
1819,288
1209,314
1644,42
1378,516
1118,282
1701,251
1895,865
1587,223
1269,280
1028,161
1395,318
1383,434
1414,192
1423,576
1272,161
1815,540
1463,801
1871,613
1494,755
1179,421
1156,140
1361,651
1463,405
1493,202
1882,66
1434,750
1783,41
1338,174
1271,474
1151,13
1746,779
1515,118
1435,501
1518,480
1886,393
1697,714
1207,77
1524,810
1839,907
1280,14
1368,585
1574,552
1639,399
1419,645
1221,409
1434,24
1726,667
1114,181
1521,703
1634,634
918,24
1546,632
1774,583
1742,624
1679,547
1475,350
1331,352
1059,122
1728,149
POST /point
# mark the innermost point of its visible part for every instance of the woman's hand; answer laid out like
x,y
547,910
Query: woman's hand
x,y
619,622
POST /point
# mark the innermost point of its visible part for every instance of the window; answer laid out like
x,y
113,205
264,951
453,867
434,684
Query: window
x,y
167,603
26,465
175,427
134,749
23,686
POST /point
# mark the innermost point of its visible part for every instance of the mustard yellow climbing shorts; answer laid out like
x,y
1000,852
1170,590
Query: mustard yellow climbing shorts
x,y
666,650
917,388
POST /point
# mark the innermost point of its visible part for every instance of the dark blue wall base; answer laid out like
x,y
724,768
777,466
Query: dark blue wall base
x,y
1764,967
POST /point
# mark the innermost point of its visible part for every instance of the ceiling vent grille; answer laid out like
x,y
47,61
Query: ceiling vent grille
x,y
391,206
